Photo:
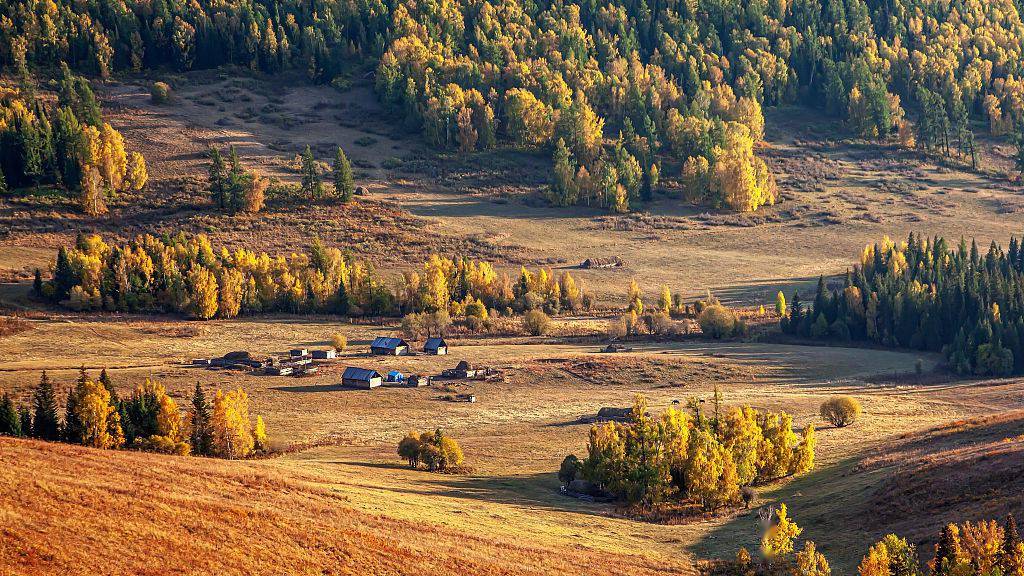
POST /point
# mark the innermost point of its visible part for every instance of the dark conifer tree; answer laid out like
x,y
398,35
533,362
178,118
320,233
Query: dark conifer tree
x,y
45,424
202,431
10,422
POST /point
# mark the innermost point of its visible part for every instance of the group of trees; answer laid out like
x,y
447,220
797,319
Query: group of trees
x,y
232,187
925,294
148,419
975,548
697,457
185,274
341,176
67,146
435,450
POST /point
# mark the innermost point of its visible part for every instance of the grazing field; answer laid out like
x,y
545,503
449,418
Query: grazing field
x,y
521,426
339,500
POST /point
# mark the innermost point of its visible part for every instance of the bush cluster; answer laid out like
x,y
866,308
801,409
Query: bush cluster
x,y
435,450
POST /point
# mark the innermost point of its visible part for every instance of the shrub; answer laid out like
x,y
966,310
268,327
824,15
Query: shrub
x,y
749,495
717,321
841,411
570,468
536,322
340,342
160,93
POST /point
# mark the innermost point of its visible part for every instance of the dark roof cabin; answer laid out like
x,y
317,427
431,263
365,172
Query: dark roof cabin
x,y
361,378
389,346
325,354
436,346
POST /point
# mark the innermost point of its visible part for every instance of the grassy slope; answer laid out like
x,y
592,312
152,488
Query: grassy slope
x,y
71,510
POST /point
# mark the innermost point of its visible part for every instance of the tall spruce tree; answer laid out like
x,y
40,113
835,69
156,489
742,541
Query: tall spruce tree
x,y
25,420
10,422
74,428
342,175
217,181
45,424
312,183
202,429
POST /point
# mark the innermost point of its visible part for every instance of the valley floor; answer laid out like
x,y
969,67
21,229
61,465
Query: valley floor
x,y
514,436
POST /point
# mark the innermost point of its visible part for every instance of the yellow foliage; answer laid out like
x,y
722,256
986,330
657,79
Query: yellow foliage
x,y
778,538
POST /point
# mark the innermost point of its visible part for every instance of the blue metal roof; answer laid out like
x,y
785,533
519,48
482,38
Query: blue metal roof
x,y
385,342
353,373
434,343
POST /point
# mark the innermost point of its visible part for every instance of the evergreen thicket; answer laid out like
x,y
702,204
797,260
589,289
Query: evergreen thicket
x,y
927,295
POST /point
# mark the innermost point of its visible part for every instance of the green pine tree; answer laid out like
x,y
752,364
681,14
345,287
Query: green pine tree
x,y
109,385
217,179
343,187
25,420
74,429
10,422
45,424
342,301
202,431
312,183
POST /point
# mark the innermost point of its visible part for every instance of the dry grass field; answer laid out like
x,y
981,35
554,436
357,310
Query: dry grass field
x,y
519,429
348,505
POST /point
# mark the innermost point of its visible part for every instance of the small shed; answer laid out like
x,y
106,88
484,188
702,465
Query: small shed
x,y
389,346
298,352
329,354
361,378
436,346
396,376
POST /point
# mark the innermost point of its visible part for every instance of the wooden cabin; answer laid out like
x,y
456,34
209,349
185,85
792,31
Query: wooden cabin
x,y
385,346
361,378
435,346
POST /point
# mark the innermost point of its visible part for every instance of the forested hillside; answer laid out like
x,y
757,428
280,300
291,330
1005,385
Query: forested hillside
x,y
928,295
620,93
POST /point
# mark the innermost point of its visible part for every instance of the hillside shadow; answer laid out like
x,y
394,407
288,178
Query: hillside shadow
x,y
537,490
827,503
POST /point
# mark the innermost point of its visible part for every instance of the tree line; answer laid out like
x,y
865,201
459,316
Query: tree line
x,y
67,145
699,457
966,549
622,94
927,295
186,274
148,419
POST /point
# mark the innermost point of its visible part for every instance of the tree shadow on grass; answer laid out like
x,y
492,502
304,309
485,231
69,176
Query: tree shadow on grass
x,y
827,503
537,490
